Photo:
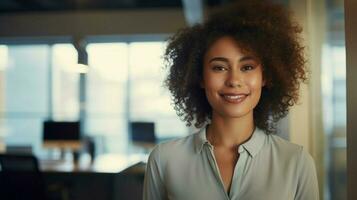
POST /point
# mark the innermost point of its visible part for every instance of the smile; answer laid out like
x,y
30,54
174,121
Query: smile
x,y
234,98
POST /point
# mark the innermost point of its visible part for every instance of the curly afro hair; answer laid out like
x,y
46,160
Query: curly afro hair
x,y
260,27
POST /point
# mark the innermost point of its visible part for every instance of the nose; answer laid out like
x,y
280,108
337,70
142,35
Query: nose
x,y
234,79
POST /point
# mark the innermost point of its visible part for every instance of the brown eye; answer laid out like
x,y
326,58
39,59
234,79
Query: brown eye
x,y
247,68
218,68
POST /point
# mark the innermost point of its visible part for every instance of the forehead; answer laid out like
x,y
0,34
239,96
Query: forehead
x,y
227,46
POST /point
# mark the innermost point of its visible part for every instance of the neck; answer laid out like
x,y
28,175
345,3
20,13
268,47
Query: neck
x,y
230,132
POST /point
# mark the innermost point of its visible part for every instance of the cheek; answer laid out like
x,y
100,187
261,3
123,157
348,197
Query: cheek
x,y
211,88
256,85
255,82
212,82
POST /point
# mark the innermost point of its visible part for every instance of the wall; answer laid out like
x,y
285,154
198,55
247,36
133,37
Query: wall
x,y
305,118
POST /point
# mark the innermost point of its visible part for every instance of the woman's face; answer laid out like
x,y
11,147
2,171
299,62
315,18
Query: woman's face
x,y
232,79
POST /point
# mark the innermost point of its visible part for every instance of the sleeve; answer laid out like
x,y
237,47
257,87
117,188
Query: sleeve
x,y
307,187
154,188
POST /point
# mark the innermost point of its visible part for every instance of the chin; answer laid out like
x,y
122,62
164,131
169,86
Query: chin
x,y
234,114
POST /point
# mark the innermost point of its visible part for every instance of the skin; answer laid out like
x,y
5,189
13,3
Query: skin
x,y
228,73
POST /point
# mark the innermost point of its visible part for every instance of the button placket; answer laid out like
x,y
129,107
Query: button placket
x,y
238,174
215,169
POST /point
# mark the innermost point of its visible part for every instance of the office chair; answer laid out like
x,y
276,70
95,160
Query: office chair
x,y
20,178
130,182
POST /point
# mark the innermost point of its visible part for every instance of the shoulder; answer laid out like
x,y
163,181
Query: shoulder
x,y
284,147
181,147
291,152
296,159
284,154
178,145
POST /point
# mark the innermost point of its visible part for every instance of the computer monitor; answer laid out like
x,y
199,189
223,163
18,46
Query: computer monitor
x,y
143,134
63,135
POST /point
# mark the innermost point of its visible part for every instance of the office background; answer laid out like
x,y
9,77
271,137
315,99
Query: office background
x,y
122,43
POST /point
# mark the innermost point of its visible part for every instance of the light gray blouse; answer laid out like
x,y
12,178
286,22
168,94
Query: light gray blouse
x,y
268,168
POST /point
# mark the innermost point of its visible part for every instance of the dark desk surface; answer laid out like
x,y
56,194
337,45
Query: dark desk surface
x,y
110,176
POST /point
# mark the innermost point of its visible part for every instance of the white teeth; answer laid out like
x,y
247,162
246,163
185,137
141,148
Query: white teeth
x,y
233,96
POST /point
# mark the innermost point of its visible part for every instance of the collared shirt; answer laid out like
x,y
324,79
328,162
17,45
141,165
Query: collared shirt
x,y
268,168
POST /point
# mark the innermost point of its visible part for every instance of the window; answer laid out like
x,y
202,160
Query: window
x,y
26,94
334,101
149,100
106,97
125,83
36,85
65,83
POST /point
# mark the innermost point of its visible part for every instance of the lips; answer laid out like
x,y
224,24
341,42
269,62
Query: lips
x,y
233,98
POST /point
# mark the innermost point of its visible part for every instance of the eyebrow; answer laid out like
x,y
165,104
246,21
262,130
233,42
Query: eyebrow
x,y
245,58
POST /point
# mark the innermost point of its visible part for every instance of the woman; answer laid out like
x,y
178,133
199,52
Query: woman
x,y
234,76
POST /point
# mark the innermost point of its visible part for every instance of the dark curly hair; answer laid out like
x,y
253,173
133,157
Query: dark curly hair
x,y
260,27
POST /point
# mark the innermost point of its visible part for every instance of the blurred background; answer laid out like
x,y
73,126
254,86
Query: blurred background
x,y
81,90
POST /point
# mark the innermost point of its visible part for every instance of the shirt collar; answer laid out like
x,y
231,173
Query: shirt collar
x,y
255,143
200,139
252,146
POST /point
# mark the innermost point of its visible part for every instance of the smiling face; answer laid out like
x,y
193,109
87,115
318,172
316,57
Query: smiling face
x,y
232,79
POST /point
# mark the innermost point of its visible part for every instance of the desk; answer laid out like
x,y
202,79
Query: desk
x,y
110,176
106,163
